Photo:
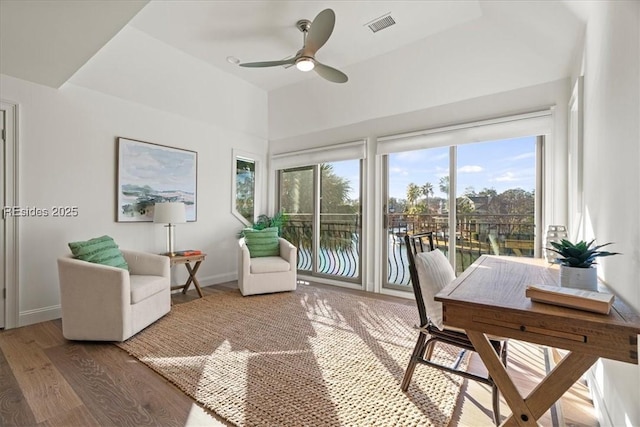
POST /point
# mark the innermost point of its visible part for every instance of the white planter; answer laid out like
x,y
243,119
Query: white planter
x,y
580,278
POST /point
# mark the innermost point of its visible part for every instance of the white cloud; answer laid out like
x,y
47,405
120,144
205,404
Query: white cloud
x,y
522,156
470,169
441,156
441,172
398,171
506,177
410,156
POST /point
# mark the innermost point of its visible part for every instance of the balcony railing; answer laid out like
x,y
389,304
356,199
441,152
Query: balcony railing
x,y
475,235
339,243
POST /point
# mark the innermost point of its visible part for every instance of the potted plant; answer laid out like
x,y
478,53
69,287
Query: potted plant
x,y
577,261
279,220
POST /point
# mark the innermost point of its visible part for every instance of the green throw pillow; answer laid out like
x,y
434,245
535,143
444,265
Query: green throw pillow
x,y
101,250
263,242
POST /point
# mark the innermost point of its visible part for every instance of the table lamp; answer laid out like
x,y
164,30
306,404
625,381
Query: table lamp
x,y
170,213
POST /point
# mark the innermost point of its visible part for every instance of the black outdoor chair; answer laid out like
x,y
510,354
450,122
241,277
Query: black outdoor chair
x,y
430,334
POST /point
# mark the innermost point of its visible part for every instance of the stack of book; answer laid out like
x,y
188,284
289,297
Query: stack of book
x,y
189,252
569,297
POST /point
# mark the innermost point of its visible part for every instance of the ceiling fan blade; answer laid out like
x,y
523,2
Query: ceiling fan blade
x,y
321,29
289,61
330,73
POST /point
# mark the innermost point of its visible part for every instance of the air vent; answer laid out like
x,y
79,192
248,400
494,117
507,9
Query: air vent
x,y
385,21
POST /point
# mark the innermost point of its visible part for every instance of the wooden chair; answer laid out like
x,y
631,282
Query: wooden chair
x,y
430,334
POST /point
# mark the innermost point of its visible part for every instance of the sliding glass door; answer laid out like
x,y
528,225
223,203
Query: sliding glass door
x,y
325,219
296,188
476,198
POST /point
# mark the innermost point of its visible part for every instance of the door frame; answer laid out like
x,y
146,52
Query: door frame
x,y
10,223
314,275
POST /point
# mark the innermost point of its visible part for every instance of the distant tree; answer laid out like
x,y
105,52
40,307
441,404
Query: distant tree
x,y
413,194
515,201
516,208
470,191
245,188
335,192
427,190
444,188
444,185
489,192
296,192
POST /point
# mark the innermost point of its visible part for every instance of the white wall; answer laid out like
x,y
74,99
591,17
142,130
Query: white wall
x,y
137,67
495,105
465,62
612,178
67,143
140,88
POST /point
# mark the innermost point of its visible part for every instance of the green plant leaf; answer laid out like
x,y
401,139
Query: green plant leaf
x,y
581,254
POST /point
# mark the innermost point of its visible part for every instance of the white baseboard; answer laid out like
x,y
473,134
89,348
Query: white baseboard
x,y
604,419
29,317
217,279
44,314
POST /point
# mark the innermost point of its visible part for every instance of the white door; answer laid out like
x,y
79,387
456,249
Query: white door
x,y
3,169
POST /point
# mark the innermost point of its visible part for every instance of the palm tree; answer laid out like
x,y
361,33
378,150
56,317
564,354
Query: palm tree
x,y
444,185
413,192
427,189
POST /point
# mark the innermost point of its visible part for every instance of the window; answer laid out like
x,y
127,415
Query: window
x,y
477,198
495,199
245,186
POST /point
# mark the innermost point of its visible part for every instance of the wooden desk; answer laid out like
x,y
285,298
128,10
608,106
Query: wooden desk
x,y
489,298
187,260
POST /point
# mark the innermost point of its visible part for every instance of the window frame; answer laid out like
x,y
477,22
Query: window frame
x,y
540,141
258,162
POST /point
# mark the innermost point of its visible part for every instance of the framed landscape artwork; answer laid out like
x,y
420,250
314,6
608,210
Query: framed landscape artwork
x,y
152,173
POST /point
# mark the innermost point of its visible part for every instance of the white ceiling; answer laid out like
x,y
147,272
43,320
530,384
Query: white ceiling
x,y
46,42
258,31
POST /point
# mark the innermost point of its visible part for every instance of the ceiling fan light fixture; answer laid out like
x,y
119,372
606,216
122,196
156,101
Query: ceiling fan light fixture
x,y
315,35
305,64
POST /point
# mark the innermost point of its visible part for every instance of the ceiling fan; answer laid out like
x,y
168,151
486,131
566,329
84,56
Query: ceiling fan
x,y
315,35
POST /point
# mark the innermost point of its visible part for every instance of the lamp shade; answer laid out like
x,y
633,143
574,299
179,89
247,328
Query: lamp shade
x,y
170,213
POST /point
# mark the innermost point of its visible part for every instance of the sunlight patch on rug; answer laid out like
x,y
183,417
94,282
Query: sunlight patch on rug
x,y
310,357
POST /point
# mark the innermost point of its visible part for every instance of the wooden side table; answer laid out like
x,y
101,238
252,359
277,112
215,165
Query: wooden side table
x,y
187,260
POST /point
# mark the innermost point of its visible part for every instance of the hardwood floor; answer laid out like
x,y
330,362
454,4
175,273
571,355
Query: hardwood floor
x,y
46,380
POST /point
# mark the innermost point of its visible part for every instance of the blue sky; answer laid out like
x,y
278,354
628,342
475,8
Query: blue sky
x,y
501,165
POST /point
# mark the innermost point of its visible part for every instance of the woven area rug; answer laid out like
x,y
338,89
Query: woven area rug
x,y
313,357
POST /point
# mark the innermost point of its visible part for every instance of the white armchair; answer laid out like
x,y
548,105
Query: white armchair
x,y
104,303
267,274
